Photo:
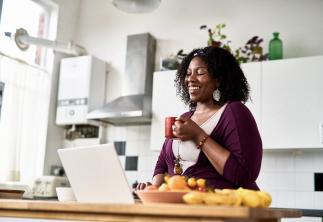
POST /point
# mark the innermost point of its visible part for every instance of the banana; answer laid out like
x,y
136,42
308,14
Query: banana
x,y
194,197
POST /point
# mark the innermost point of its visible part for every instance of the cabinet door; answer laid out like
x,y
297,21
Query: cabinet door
x,y
252,72
292,103
165,102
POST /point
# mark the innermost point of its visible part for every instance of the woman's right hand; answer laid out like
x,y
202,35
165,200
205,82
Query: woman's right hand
x,y
142,186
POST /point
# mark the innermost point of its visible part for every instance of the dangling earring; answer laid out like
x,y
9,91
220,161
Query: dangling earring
x,y
217,95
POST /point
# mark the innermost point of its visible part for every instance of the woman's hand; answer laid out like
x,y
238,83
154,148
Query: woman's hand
x,y
142,186
187,129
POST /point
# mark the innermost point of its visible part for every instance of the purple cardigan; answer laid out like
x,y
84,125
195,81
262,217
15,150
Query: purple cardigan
x,y
236,131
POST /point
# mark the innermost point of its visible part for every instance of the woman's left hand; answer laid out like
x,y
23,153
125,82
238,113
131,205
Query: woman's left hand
x,y
186,129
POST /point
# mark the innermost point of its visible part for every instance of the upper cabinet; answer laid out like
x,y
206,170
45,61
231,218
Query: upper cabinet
x,y
165,103
252,72
292,103
286,99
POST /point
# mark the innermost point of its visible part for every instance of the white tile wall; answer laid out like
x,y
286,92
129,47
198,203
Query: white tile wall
x,y
304,200
289,176
137,144
304,181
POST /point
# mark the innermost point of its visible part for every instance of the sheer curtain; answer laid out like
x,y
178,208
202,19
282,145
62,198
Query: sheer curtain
x,y
23,123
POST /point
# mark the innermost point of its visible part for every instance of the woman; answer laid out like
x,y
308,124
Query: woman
x,y
218,140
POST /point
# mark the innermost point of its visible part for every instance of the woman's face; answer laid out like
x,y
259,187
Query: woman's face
x,y
199,81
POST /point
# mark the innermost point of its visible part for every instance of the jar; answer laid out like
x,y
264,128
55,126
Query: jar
x,y
275,47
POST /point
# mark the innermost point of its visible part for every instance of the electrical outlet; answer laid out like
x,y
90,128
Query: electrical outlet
x,y
318,181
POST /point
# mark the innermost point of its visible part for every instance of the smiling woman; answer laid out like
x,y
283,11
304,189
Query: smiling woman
x,y
218,139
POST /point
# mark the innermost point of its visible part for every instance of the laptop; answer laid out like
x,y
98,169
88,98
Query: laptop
x,y
95,174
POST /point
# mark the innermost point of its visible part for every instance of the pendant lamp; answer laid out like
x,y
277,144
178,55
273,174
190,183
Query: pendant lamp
x,y
136,6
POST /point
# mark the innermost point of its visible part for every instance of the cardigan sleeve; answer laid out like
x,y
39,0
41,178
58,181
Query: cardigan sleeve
x,y
161,165
243,140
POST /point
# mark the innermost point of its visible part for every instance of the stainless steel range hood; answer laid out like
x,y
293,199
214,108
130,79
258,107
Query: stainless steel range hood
x,y
134,108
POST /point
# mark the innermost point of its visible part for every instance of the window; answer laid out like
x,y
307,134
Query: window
x,y
26,95
31,15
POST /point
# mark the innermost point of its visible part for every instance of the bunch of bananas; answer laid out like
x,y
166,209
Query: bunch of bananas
x,y
230,197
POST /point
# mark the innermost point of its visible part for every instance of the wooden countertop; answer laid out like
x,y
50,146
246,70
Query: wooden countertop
x,y
138,212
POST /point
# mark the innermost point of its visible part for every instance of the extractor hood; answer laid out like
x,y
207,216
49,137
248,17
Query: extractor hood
x,y
135,107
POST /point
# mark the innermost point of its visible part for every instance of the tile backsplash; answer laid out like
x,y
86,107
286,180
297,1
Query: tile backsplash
x,y
287,174
132,145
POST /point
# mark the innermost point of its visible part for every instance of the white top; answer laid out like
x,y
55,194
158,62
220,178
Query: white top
x,y
187,149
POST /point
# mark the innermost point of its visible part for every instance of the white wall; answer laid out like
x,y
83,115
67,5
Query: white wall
x,y
102,29
68,14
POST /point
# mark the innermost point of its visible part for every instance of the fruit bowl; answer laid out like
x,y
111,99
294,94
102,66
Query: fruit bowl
x,y
155,196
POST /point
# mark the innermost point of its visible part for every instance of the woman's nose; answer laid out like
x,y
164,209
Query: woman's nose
x,y
191,77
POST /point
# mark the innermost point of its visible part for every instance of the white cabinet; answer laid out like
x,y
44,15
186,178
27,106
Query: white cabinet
x,y
165,102
252,72
292,103
286,101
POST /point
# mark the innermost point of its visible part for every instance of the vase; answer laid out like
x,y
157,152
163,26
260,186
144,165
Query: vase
x,y
275,47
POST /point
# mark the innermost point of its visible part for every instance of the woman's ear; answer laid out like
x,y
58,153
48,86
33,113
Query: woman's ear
x,y
217,83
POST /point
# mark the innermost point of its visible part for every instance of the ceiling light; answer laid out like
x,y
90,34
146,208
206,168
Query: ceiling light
x,y
136,6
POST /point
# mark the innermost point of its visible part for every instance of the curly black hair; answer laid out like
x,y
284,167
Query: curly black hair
x,y
222,66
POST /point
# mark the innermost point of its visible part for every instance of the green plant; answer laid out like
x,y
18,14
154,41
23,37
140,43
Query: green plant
x,y
251,51
216,37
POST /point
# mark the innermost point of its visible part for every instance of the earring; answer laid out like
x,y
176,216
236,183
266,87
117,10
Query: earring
x,y
216,95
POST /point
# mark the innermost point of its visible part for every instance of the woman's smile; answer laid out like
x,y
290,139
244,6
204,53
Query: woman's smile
x,y
193,89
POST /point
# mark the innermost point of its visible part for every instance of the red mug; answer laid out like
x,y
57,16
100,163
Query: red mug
x,y
169,124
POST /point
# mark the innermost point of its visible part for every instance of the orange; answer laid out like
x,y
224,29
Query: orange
x,y
176,182
201,182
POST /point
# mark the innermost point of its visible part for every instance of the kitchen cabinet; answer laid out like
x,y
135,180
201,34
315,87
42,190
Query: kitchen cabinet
x,y
165,102
252,72
292,103
286,99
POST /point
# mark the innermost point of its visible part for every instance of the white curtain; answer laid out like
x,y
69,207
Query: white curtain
x,y
23,123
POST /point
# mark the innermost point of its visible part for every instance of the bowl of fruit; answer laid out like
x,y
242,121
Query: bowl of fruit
x,y
172,190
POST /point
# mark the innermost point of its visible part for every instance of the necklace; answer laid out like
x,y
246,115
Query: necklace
x,y
178,170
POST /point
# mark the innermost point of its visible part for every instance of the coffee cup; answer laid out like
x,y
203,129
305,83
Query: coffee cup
x,y
169,127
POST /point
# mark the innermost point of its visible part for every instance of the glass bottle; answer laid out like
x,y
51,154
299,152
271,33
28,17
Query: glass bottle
x,y
275,47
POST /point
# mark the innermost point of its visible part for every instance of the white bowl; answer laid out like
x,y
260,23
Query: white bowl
x,y
65,194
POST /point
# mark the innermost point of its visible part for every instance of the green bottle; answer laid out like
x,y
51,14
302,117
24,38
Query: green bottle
x,y
275,47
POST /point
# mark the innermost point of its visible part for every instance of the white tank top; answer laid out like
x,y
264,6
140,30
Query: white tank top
x,y
187,149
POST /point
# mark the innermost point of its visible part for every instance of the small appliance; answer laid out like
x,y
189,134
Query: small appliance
x,y
45,186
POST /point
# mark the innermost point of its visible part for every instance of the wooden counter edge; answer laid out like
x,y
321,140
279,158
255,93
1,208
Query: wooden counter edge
x,y
180,210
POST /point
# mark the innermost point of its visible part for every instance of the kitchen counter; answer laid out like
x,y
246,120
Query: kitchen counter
x,y
139,212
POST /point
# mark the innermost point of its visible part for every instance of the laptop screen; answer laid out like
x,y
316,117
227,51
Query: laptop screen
x,y
95,174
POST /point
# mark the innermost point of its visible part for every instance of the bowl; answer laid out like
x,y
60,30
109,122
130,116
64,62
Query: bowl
x,y
11,194
65,194
154,196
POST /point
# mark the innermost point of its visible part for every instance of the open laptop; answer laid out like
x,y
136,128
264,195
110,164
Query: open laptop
x,y
95,174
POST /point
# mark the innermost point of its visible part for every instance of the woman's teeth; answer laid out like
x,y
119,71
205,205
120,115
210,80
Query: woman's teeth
x,y
193,89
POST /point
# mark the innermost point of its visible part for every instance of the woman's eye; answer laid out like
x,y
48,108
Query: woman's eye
x,y
201,71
